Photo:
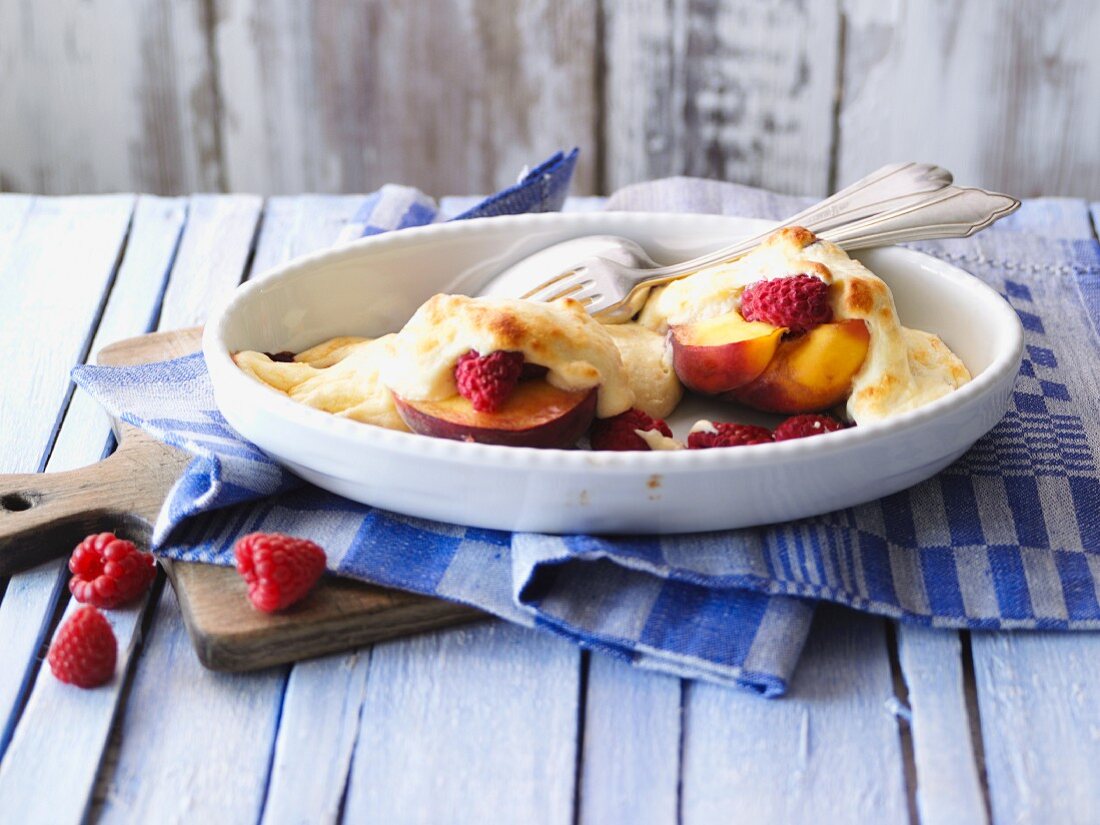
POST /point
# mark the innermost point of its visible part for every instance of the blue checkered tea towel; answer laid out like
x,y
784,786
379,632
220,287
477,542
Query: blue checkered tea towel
x,y
1006,537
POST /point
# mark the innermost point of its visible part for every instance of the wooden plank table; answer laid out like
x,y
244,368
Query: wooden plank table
x,y
489,723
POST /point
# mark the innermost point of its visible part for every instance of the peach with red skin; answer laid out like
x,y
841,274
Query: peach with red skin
x,y
810,373
537,414
721,354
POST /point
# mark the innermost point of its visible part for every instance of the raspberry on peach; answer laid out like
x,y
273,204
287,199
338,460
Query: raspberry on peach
x,y
798,302
487,381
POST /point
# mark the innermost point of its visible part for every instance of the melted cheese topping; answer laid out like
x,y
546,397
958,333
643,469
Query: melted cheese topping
x,y
575,348
341,376
657,440
648,363
904,369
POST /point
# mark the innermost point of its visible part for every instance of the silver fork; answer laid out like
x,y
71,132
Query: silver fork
x,y
890,186
898,203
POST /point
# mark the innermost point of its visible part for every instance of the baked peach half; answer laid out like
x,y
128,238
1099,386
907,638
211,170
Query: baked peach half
x,y
723,353
810,373
536,414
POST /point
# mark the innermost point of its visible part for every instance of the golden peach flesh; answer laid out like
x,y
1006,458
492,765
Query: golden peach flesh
x,y
720,354
810,373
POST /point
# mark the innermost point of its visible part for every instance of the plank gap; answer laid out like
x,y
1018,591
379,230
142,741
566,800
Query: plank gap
x,y
905,732
684,685
974,717
108,760
250,259
158,306
86,346
274,744
60,598
217,102
582,709
355,742
599,95
838,102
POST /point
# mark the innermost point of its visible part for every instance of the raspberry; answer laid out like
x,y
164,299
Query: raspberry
x,y
797,302
801,426
488,380
84,651
109,571
729,435
618,432
279,569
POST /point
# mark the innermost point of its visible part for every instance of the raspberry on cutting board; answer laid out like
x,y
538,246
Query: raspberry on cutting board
x,y
279,569
84,651
109,571
797,302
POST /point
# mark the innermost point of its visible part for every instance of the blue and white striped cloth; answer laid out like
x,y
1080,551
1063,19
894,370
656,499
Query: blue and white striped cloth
x,y
1008,537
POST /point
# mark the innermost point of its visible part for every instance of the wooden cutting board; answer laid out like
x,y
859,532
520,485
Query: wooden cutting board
x,y
44,515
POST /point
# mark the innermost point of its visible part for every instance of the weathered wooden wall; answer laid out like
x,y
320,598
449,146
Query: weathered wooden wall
x,y
275,96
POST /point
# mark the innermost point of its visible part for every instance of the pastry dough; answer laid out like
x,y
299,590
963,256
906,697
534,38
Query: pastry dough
x,y
340,376
648,363
575,348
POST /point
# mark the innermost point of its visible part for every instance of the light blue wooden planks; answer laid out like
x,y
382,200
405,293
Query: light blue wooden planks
x,y
1037,692
194,745
51,289
298,225
63,731
214,248
57,266
630,752
221,232
828,752
474,725
62,734
1040,713
28,606
317,733
14,211
949,788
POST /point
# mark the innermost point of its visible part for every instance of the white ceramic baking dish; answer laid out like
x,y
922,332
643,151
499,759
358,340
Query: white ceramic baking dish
x,y
372,286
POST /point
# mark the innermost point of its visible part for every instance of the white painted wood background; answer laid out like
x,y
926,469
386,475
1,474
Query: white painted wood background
x,y
288,96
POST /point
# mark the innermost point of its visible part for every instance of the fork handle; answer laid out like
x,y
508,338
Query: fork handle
x,y
953,212
891,187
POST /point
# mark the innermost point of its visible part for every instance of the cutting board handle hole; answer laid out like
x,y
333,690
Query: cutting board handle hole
x,y
15,502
